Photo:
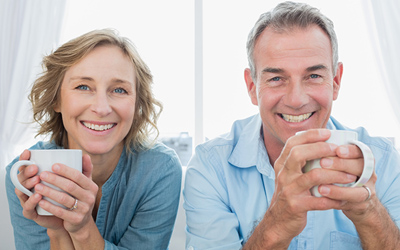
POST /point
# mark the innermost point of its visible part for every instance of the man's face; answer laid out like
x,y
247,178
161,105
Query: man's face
x,y
294,86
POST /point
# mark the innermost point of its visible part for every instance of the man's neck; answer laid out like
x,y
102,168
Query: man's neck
x,y
272,145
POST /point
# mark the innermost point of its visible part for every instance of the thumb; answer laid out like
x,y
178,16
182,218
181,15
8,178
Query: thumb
x,y
87,166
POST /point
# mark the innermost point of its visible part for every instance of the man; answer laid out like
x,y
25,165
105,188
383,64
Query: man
x,y
247,190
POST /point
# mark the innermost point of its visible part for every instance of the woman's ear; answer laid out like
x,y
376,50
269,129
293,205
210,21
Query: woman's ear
x,y
56,107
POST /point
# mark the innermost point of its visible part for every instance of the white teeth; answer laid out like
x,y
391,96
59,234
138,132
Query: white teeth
x,y
98,127
296,118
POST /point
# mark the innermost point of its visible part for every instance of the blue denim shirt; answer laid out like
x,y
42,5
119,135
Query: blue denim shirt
x,y
230,182
137,209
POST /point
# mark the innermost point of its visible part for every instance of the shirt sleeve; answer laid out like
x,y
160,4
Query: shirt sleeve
x,y
211,224
27,233
152,224
388,183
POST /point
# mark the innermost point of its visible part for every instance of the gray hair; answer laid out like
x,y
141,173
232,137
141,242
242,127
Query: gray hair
x,y
286,16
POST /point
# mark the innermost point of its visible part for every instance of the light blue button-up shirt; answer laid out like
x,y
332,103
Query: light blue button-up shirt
x,y
230,182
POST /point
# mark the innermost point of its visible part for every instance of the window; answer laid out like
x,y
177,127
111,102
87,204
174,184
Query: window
x,y
163,32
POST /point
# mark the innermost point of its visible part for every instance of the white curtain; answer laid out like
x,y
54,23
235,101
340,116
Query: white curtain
x,y
383,18
29,29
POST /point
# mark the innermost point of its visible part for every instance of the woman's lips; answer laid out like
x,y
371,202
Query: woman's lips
x,y
98,127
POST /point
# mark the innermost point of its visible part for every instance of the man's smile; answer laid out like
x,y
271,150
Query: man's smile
x,y
296,118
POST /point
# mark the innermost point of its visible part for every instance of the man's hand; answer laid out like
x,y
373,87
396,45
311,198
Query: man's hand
x,y
356,203
287,214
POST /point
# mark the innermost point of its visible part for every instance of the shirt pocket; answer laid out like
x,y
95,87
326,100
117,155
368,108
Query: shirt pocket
x,y
344,241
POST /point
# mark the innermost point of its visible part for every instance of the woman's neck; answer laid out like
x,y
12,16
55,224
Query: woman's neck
x,y
104,165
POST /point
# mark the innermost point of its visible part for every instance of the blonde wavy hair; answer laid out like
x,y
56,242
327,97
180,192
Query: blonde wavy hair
x,y
45,91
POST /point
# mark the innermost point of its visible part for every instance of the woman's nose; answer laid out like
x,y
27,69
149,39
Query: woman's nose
x,y
101,104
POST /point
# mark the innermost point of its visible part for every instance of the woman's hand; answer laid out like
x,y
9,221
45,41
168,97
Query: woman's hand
x,y
29,179
78,186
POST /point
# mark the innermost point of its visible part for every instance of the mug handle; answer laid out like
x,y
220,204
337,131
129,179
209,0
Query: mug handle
x,y
14,176
369,163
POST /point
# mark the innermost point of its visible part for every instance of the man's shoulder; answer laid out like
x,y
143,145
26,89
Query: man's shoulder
x,y
230,139
379,145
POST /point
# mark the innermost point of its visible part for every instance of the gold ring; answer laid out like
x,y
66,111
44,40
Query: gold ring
x,y
74,206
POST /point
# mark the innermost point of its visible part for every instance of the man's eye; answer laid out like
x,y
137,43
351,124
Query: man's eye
x,y
275,79
314,76
83,87
120,91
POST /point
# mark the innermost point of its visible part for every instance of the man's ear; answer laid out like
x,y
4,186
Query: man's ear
x,y
337,80
251,86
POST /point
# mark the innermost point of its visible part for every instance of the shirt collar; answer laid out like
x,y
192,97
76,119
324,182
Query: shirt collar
x,y
250,150
250,145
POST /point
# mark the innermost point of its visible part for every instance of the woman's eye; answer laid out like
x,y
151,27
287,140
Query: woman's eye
x,y
83,87
120,91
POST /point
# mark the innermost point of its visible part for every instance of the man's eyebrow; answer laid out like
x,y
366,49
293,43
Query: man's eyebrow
x,y
317,67
272,70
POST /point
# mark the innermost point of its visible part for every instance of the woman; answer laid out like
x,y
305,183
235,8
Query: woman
x,y
95,95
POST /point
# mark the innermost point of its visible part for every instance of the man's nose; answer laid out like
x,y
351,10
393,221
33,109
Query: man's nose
x,y
296,95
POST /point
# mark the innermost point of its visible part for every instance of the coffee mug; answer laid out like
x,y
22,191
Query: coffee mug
x,y
343,137
44,160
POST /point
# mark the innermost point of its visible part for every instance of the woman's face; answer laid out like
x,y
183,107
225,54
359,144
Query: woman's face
x,y
97,101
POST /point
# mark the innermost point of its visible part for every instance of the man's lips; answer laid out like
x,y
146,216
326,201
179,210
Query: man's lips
x,y
296,118
98,127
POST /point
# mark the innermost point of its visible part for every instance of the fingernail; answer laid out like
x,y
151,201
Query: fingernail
x,y
324,190
56,167
324,132
333,147
43,175
351,177
326,162
344,150
39,187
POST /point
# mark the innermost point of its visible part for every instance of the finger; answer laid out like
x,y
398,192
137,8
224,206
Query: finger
x,y
26,155
349,152
349,194
309,136
27,176
87,166
61,182
351,166
29,207
69,174
58,196
320,176
31,182
300,154
21,196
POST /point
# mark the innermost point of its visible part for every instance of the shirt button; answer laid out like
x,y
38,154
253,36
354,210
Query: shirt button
x,y
190,248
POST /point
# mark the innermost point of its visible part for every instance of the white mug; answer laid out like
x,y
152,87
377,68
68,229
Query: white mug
x,y
343,137
44,160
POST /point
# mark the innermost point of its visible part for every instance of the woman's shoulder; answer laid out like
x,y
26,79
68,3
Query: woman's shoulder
x,y
45,145
158,150
158,156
